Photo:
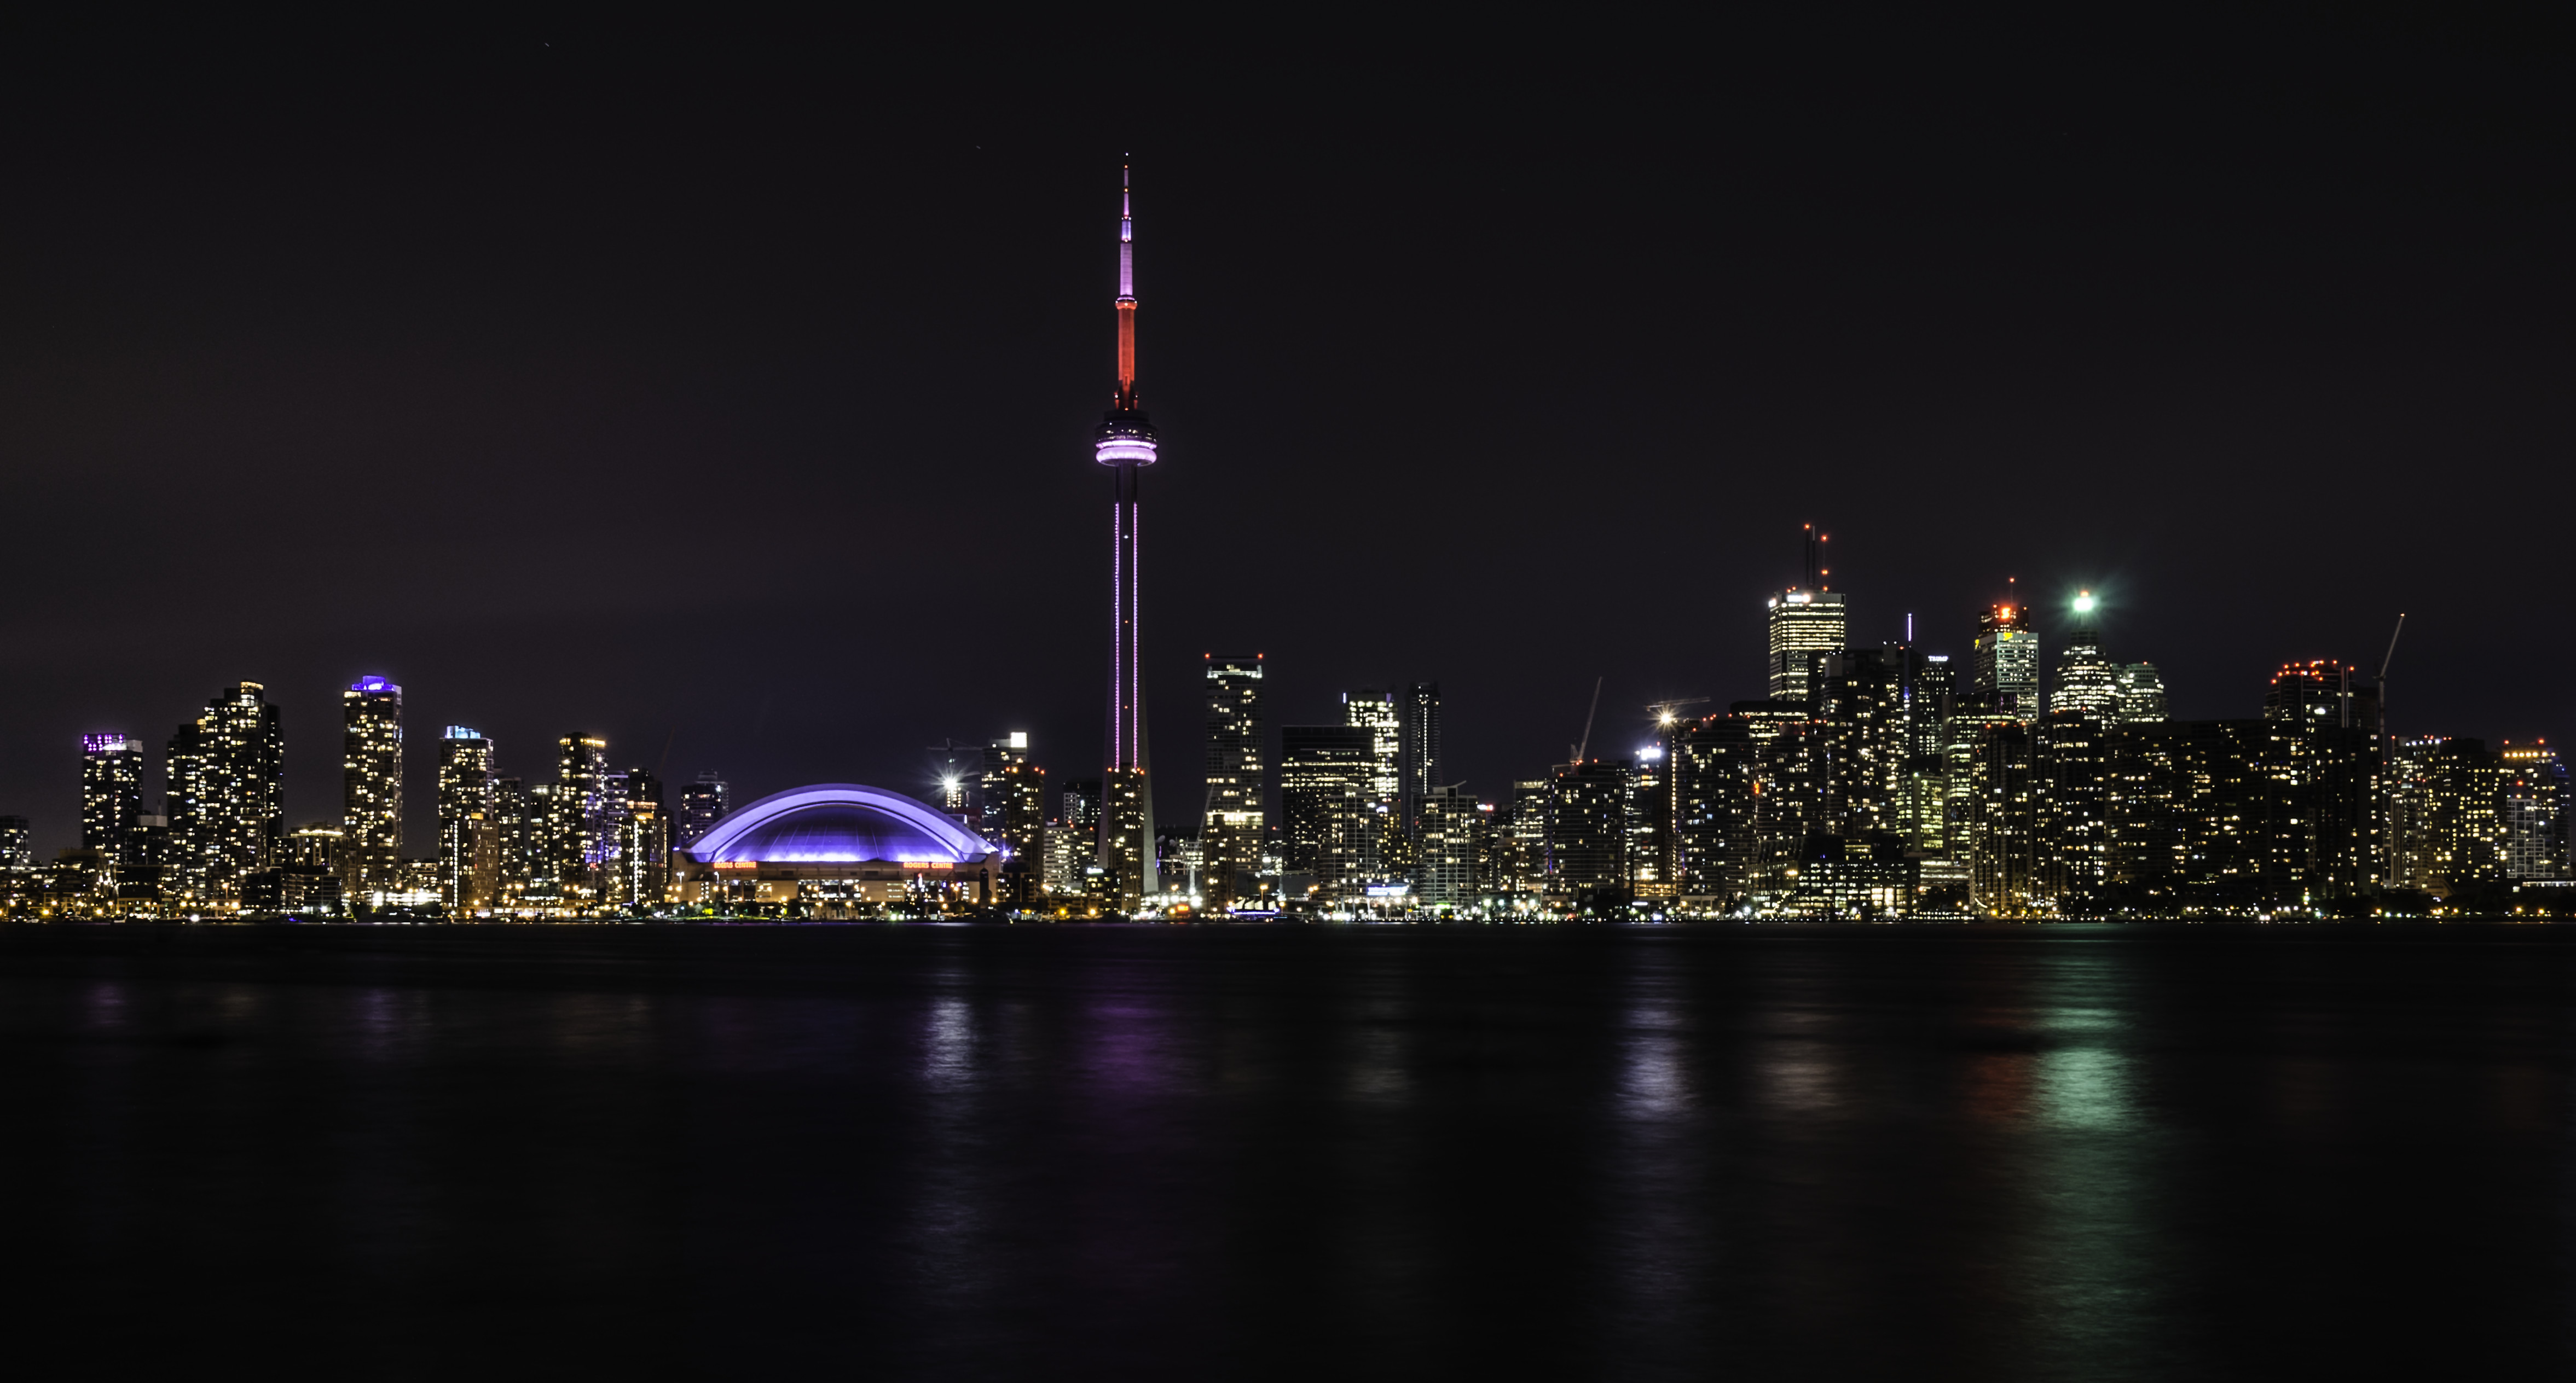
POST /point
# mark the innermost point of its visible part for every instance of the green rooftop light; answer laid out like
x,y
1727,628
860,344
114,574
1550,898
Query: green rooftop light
x,y
2084,602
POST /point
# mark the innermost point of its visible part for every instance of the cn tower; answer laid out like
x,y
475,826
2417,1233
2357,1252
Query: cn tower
x,y
1126,446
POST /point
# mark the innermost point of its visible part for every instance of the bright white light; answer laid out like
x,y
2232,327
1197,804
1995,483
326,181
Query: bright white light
x,y
948,783
2084,603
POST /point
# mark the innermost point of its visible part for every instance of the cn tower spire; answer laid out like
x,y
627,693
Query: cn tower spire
x,y
1125,444
1126,290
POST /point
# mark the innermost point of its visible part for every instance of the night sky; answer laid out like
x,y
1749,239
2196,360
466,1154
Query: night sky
x,y
731,395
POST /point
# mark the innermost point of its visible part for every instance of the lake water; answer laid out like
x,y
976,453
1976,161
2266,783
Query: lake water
x,y
1030,1152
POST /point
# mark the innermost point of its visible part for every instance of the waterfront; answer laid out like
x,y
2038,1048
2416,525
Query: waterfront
x,y
1988,1152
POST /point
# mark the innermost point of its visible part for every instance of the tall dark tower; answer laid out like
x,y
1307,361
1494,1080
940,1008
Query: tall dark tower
x,y
1126,446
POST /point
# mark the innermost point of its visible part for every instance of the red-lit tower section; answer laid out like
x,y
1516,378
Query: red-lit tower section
x,y
1126,446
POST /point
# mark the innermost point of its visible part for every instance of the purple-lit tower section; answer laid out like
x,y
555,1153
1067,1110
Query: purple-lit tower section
x,y
1126,444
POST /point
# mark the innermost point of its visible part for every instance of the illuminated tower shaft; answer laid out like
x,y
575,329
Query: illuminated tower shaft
x,y
1126,446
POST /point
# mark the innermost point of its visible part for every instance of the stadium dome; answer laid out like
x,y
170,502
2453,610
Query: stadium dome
x,y
839,823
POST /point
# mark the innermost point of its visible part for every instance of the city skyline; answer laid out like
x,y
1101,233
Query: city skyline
x,y
435,426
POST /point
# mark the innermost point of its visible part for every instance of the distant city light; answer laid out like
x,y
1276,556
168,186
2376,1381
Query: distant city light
x,y
2084,602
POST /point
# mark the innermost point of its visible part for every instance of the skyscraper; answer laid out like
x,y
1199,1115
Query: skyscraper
x,y
227,794
1374,709
111,793
1587,837
1230,836
469,833
1015,814
1126,445
2141,694
372,785
2007,659
2533,808
703,804
2087,683
580,826
1417,713
16,855
1806,623
1328,797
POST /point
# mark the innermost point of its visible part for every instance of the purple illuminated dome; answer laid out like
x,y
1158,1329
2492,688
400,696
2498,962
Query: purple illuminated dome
x,y
838,823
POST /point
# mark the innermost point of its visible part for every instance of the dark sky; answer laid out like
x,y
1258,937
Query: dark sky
x,y
731,394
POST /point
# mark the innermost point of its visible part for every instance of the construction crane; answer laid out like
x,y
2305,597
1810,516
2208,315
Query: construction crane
x,y
1587,719
2383,684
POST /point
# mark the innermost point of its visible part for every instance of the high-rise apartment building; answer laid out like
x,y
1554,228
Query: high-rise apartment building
x,y
518,838
227,795
1330,808
1587,837
1232,829
1444,861
703,804
371,769
2532,808
1015,792
469,828
111,793
582,820
642,866
2007,659
17,852
1716,762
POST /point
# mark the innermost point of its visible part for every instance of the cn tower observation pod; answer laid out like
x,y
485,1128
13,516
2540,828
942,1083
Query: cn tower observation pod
x,y
837,849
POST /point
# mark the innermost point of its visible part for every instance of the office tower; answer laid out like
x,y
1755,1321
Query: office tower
x,y
227,794
2141,694
1126,445
1328,804
2087,682
2533,811
1373,709
703,804
1015,816
2007,659
111,792
516,839
1715,762
469,833
1587,837
580,825
1417,714
1806,623
1444,861
1232,830
616,818
372,784
17,853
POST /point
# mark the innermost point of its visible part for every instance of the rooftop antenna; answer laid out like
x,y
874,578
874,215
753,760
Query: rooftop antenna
x,y
1587,719
1664,710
